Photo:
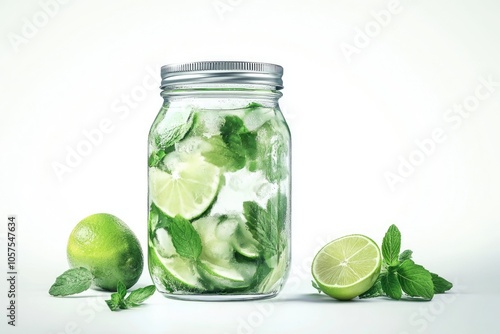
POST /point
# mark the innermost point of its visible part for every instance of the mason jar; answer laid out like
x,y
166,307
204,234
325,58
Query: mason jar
x,y
219,183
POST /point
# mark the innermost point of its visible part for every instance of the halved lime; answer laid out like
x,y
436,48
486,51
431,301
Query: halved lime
x,y
188,190
347,267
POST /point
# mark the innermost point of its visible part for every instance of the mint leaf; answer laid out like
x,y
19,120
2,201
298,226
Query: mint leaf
x,y
263,229
267,226
406,255
230,156
156,157
121,289
72,281
138,296
185,238
249,142
390,285
391,245
179,226
158,219
232,125
115,302
238,138
415,280
179,125
375,291
440,284
315,285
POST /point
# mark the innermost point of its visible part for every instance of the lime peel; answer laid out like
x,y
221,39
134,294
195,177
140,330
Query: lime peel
x,y
347,267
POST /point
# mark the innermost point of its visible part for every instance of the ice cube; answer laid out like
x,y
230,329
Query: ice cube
x,y
163,244
265,190
239,187
254,118
192,145
217,250
209,123
172,161
226,229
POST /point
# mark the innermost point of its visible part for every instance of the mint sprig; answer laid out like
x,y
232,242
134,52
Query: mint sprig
x,y
400,274
135,298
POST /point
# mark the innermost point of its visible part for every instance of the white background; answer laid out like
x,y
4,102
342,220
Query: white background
x,y
357,105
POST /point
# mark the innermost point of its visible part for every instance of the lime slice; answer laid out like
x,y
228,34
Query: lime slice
x,y
188,190
244,243
175,273
223,277
347,267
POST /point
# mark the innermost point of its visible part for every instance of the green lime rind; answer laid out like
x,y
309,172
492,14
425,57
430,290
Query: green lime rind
x,y
221,279
105,245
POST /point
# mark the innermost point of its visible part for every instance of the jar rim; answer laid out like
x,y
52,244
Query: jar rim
x,y
222,72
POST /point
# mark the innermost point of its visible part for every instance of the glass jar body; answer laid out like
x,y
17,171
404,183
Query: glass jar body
x,y
219,195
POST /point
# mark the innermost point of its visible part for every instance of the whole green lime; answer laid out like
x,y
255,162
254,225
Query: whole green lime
x,y
106,246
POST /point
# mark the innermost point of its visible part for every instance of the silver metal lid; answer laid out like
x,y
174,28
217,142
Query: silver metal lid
x,y
221,72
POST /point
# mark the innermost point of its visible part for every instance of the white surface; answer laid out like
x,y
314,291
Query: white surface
x,y
94,64
300,311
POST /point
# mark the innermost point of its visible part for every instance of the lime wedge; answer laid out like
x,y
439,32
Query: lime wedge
x,y
347,267
188,190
